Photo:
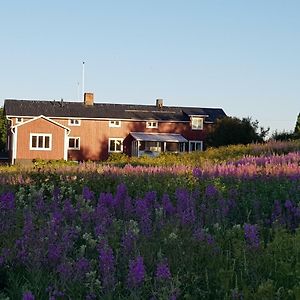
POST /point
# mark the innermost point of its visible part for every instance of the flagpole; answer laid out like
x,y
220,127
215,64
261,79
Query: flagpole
x,y
83,81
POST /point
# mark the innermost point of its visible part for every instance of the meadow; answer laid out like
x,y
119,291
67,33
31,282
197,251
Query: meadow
x,y
221,224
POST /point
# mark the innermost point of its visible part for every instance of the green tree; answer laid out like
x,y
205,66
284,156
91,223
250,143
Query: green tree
x,y
297,127
2,129
232,130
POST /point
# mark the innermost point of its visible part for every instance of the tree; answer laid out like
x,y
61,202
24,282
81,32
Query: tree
x,y
3,129
297,128
232,130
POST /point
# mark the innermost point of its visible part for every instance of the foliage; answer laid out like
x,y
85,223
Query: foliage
x,y
297,128
3,128
232,130
283,136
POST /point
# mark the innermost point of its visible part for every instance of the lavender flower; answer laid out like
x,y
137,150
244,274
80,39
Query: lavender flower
x,y
211,191
87,194
251,235
107,266
168,207
28,296
163,271
136,274
7,201
128,241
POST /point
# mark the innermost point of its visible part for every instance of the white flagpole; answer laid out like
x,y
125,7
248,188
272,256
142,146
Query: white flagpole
x,y
83,81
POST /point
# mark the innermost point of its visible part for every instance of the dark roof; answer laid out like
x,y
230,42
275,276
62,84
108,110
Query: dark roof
x,y
106,110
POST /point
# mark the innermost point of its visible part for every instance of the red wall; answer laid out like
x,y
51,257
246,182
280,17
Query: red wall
x,y
94,135
40,126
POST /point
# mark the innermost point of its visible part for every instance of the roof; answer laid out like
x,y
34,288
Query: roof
x,y
158,137
64,109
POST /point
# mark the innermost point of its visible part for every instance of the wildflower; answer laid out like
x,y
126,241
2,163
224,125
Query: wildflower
x,y
82,266
136,273
168,207
28,296
128,241
163,271
87,194
211,191
251,235
107,265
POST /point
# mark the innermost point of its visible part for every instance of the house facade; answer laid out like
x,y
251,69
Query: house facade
x,y
92,131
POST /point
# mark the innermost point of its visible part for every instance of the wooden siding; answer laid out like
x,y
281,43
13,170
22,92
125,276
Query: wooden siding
x,y
40,126
94,135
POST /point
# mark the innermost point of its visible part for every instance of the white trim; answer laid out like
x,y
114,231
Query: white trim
x,y
74,124
44,135
18,122
14,149
152,124
115,139
41,117
112,123
66,141
196,142
74,137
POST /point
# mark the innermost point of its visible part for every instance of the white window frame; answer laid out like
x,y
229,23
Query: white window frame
x,y
195,126
115,139
152,124
41,135
19,121
114,123
195,142
75,138
72,122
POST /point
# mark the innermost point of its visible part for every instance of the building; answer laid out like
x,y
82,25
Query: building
x,y
91,131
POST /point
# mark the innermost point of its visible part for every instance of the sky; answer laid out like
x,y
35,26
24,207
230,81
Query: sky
x,y
239,55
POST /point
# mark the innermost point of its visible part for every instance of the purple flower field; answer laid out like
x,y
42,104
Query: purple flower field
x,y
226,231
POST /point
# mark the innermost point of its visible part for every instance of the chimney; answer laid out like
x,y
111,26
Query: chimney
x,y
159,103
88,99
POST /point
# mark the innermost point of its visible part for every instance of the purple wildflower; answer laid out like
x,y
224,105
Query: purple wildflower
x,y
128,241
136,273
28,296
65,271
185,207
168,207
7,201
143,213
81,266
87,194
107,265
163,271
211,191
251,235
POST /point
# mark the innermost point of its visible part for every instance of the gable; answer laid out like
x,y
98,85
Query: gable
x,y
41,118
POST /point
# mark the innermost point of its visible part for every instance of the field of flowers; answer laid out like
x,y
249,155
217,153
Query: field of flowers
x,y
217,230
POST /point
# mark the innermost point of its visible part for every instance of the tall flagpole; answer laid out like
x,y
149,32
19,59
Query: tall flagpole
x,y
83,81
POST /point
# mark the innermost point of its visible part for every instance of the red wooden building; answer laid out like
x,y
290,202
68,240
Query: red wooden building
x,y
91,131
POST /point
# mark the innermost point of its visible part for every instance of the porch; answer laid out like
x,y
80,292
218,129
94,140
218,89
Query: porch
x,y
152,144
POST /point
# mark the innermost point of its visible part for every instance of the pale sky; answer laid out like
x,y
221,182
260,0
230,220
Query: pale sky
x,y
242,56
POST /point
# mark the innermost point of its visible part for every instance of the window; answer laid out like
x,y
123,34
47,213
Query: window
x,y
195,145
115,123
74,143
39,141
74,122
152,124
19,120
115,145
197,123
